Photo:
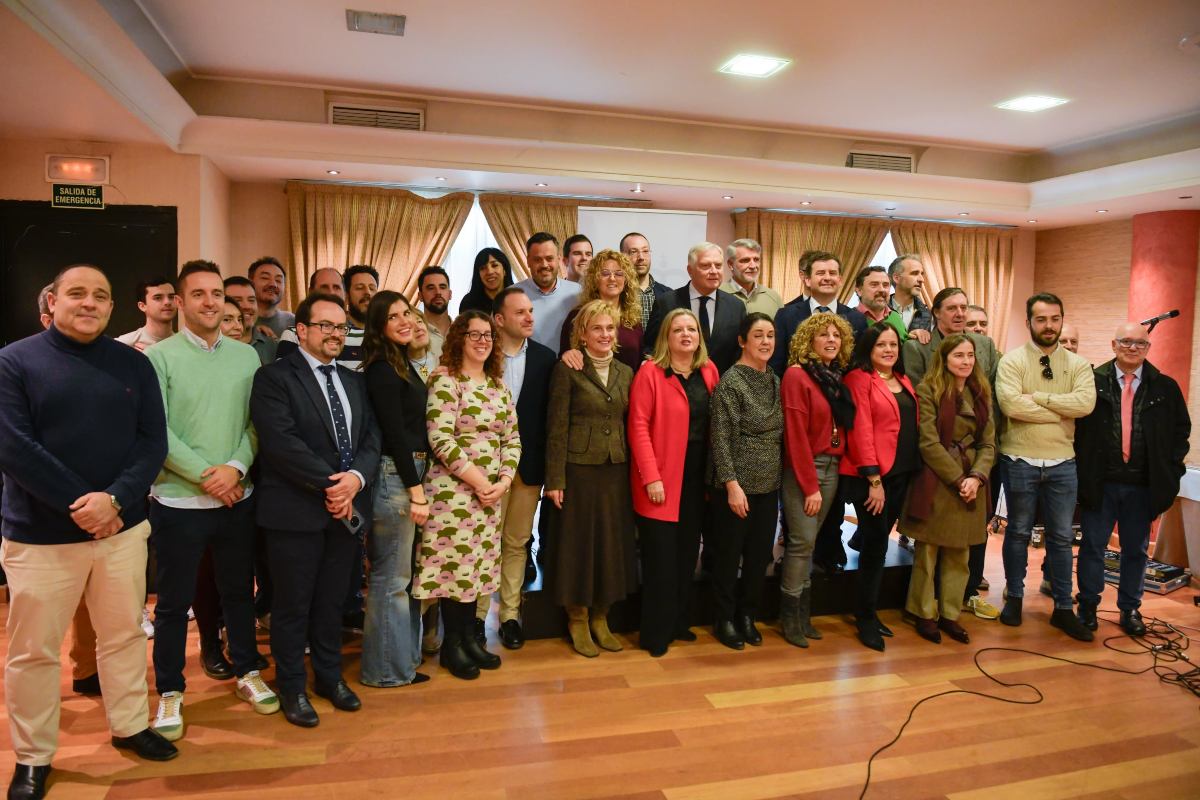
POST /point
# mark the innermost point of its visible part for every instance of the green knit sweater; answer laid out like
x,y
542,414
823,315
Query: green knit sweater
x,y
207,399
1040,411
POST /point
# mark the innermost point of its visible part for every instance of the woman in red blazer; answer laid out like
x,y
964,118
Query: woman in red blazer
x,y
668,446
881,455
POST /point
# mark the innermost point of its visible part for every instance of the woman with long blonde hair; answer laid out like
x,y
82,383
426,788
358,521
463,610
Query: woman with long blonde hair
x,y
611,278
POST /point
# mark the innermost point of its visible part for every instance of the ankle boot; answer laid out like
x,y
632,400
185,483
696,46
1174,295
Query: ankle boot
x,y
603,636
454,658
477,653
789,620
213,661
806,614
581,637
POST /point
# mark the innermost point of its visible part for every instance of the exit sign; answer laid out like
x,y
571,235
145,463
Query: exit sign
x,y
71,195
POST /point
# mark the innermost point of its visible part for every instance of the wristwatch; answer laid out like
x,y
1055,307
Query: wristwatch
x,y
112,498
874,482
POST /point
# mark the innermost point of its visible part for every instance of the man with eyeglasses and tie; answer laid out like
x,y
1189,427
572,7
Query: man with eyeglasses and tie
x,y
317,440
1042,389
1129,452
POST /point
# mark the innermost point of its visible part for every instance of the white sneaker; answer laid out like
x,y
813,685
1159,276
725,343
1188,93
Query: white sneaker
x,y
147,623
254,690
168,722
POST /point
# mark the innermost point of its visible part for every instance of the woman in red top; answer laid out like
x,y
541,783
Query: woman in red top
x,y
668,446
881,456
817,412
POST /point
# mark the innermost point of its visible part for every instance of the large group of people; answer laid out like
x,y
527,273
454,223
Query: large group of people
x,y
267,456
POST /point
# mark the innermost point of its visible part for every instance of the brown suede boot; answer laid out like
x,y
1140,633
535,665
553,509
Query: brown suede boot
x,y
604,637
581,637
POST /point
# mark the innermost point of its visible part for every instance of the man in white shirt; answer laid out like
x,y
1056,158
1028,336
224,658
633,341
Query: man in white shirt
x,y
155,299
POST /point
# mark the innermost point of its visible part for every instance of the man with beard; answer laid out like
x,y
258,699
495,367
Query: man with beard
x,y
155,299
433,289
240,291
950,316
637,248
577,254
552,298
744,258
268,278
908,278
874,289
361,283
1042,389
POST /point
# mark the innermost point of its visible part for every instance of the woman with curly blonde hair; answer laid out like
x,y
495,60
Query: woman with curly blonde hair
x,y
817,411
610,278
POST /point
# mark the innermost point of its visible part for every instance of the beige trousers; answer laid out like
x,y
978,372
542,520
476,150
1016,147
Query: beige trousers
x,y
46,583
516,526
953,581
83,644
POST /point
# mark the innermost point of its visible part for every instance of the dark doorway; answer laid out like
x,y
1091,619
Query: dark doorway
x,y
130,243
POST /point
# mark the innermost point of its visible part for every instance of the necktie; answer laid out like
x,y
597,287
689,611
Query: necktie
x,y
346,457
1126,416
705,327
822,309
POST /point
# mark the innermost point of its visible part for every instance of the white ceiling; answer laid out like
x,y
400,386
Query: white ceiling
x,y
926,70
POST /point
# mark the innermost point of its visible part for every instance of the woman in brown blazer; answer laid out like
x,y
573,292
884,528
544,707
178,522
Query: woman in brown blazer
x,y
947,507
587,477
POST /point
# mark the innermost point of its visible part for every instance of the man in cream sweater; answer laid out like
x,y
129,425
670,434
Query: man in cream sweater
x,y
1042,389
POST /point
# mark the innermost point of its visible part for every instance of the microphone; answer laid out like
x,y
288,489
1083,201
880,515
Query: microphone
x,y
1167,315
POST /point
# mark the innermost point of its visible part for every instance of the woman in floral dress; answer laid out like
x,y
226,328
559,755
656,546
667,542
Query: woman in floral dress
x,y
472,427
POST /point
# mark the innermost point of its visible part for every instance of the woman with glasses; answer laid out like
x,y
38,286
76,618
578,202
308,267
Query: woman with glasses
x,y
492,273
947,506
881,456
587,478
391,647
472,427
610,278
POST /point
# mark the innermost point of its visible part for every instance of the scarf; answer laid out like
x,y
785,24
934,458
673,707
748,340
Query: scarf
x,y
829,381
920,499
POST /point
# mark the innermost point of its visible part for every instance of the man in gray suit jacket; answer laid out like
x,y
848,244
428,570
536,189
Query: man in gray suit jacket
x,y
949,317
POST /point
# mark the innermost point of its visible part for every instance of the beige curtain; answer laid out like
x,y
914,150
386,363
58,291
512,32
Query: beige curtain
x,y
784,238
513,218
978,260
393,230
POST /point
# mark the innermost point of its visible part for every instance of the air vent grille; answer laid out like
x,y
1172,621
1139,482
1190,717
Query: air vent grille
x,y
402,119
884,161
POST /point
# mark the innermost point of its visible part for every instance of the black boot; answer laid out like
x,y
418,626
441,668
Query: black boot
x,y
213,661
1087,616
1011,615
868,633
728,634
454,657
749,633
482,658
28,783
1132,622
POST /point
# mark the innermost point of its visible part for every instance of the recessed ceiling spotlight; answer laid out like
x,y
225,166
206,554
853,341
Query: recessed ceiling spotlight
x,y
637,189
541,184
726,197
1031,220
1101,210
752,66
964,213
439,178
332,172
806,202
1185,197
889,208
1031,102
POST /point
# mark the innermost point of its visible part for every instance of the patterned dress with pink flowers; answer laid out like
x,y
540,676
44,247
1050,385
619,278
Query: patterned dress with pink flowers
x,y
469,422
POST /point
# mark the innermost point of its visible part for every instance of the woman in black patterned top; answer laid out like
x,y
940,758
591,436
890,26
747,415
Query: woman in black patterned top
x,y
747,437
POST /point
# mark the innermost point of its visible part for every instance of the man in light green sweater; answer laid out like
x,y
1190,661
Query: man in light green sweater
x,y
1042,389
201,499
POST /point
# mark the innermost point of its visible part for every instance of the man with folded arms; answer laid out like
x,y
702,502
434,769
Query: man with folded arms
x,y
1129,452
82,435
201,499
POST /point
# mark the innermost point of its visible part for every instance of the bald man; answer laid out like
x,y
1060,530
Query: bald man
x,y
1129,453
1069,338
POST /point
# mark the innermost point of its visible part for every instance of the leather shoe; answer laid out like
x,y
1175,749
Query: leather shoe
x,y
342,697
749,633
928,629
88,686
955,631
869,634
28,783
476,652
884,630
214,663
1065,620
1087,616
148,744
1132,623
298,711
685,635
728,635
511,635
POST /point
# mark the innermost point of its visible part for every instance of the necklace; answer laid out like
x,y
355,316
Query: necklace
x,y
886,377
422,365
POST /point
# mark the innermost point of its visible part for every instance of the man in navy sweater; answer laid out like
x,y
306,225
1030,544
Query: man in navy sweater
x,y
82,436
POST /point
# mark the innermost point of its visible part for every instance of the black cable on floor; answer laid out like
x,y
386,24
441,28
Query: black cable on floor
x,y
1164,641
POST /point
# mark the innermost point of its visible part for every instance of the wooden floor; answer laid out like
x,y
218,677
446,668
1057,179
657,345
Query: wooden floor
x,y
702,723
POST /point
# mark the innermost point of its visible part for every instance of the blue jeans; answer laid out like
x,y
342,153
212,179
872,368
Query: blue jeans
x,y
1127,506
391,648
1027,487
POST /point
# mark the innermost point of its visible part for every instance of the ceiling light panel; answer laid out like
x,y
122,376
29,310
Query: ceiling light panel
x,y
754,66
373,22
1031,103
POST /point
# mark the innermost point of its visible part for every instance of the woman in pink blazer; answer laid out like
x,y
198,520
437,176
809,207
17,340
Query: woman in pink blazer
x,y
668,444
881,455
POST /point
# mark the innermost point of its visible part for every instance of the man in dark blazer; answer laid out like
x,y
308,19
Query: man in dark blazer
x,y
527,367
720,313
318,441
822,274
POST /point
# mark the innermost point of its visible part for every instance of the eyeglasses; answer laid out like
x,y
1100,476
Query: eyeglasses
x,y
1047,373
605,274
479,336
1133,344
329,327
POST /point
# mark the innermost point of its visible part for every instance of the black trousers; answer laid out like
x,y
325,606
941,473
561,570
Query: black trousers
x,y
181,536
262,574
207,601
310,570
746,542
828,550
873,530
668,552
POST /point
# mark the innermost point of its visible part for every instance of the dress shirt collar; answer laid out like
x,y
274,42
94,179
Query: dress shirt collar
x,y
196,340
